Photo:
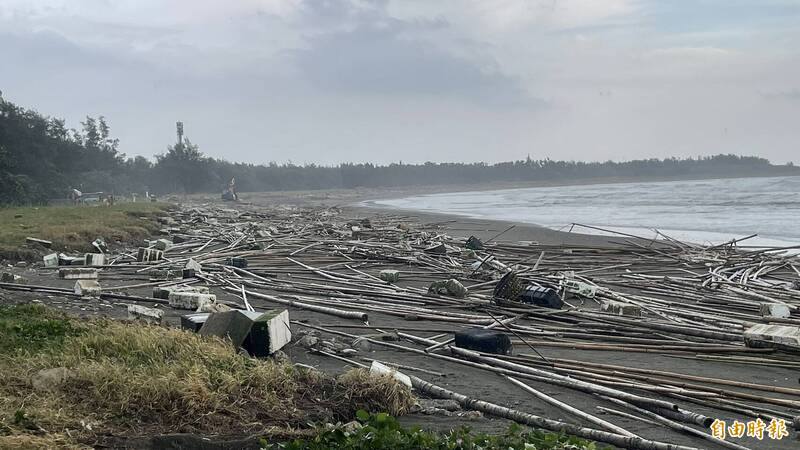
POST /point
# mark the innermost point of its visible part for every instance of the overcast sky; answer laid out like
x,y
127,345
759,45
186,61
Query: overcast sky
x,y
331,81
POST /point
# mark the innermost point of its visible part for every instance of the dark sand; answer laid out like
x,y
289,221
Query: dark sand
x,y
490,387
473,382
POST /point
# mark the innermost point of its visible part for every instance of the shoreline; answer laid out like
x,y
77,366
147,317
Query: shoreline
x,y
484,229
355,202
613,219
348,196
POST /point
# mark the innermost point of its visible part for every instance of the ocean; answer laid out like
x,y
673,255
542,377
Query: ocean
x,y
699,211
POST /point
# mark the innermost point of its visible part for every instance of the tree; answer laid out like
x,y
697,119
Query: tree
x,y
185,165
91,136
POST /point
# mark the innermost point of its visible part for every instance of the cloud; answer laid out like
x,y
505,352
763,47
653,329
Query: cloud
x,y
787,94
378,54
694,53
327,80
48,50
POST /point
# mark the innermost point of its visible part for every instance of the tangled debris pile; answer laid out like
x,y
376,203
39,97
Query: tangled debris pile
x,y
665,298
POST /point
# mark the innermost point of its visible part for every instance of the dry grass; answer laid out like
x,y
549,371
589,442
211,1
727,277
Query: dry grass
x,y
50,441
75,227
135,380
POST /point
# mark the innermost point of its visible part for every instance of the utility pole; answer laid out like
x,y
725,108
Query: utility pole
x,y
179,126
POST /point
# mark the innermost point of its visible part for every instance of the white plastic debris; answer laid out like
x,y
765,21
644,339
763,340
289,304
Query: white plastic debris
x,y
149,254
192,264
189,300
765,335
95,259
580,288
50,260
620,308
77,273
163,244
143,313
775,310
87,288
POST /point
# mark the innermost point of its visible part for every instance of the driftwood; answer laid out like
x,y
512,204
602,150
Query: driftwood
x,y
561,405
619,440
690,303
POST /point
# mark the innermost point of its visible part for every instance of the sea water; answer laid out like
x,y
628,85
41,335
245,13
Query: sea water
x,y
699,211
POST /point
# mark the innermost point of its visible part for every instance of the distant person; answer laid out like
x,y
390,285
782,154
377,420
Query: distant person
x,y
75,195
229,194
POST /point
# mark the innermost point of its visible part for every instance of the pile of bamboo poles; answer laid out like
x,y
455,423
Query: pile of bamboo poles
x,y
694,302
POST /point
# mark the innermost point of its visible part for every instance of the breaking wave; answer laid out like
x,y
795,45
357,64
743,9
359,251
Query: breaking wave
x,y
701,211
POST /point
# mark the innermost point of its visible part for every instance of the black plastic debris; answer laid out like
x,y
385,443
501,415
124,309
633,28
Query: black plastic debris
x,y
193,322
483,340
240,263
541,296
473,243
363,223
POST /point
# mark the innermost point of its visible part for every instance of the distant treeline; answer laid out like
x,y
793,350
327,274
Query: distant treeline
x,y
41,159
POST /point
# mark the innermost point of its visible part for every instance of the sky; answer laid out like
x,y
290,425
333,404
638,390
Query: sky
x,y
332,81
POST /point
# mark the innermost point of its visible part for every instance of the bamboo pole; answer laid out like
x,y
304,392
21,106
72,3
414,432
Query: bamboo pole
x,y
576,412
618,440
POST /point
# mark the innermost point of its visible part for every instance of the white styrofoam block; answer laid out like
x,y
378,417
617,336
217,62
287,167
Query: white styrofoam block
x,y
279,332
206,303
164,291
765,335
776,310
620,308
8,277
50,260
189,300
95,259
77,273
149,315
192,264
87,288
149,254
163,244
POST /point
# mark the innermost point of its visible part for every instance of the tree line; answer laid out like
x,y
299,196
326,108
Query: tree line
x,y
42,159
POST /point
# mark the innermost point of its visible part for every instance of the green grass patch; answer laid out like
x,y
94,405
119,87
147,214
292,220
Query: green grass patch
x,y
129,379
26,329
75,227
382,432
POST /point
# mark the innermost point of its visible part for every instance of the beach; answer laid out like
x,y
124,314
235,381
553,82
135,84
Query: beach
x,y
302,209
479,384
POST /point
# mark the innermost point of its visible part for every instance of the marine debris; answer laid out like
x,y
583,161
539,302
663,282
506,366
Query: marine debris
x,y
492,306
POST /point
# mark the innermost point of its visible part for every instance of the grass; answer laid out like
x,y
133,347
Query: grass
x,y
32,328
133,380
75,227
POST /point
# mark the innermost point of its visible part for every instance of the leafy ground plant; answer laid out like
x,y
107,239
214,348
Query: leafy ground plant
x,y
382,431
